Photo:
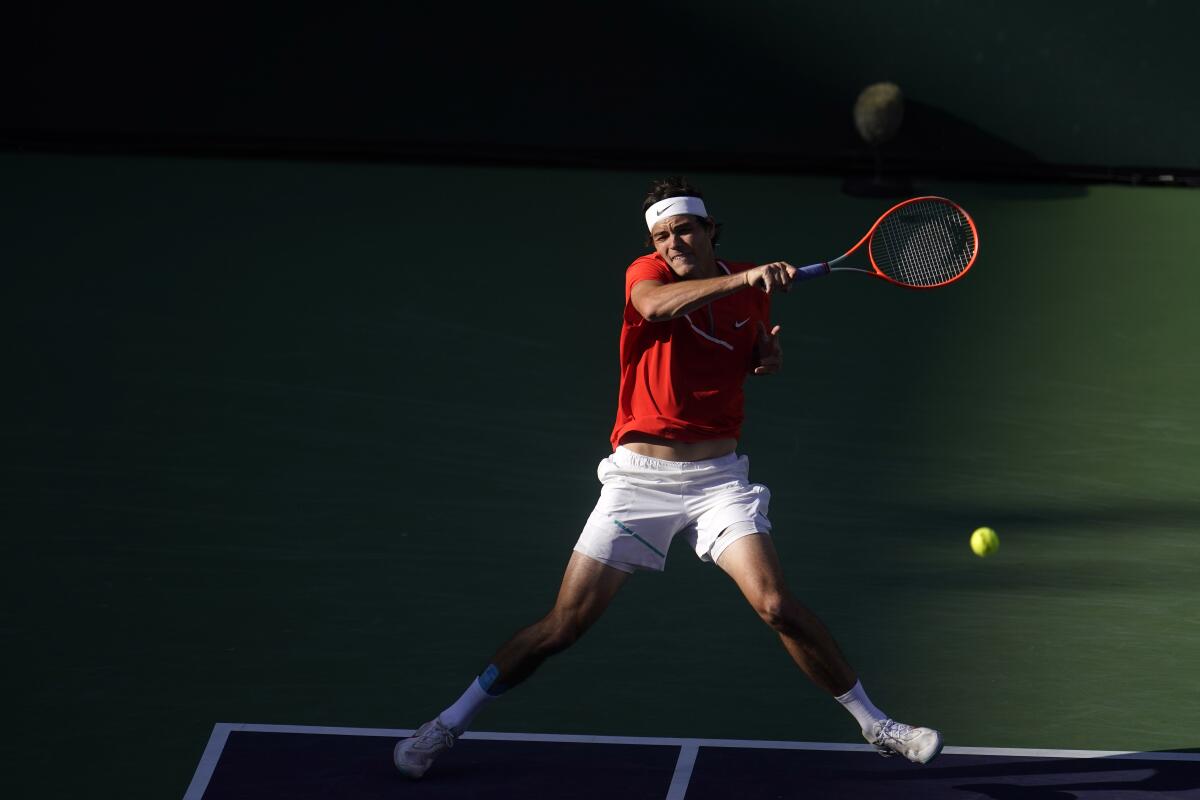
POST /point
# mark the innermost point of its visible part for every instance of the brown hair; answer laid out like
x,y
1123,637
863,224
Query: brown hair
x,y
675,186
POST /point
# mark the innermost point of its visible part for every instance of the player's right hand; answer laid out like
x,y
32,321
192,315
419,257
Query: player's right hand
x,y
776,275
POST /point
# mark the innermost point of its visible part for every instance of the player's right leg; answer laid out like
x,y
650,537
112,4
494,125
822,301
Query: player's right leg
x,y
588,586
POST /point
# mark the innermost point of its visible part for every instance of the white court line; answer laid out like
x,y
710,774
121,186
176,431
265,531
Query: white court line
x,y
683,772
754,744
208,761
683,767
1022,752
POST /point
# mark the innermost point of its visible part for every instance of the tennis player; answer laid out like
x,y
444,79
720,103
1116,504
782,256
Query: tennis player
x,y
694,327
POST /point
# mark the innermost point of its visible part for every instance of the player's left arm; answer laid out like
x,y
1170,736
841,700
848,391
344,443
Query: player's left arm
x,y
768,351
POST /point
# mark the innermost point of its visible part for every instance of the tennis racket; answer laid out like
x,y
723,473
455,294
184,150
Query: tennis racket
x,y
922,243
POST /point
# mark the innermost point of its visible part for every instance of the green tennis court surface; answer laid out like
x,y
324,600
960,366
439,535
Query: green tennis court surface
x,y
302,443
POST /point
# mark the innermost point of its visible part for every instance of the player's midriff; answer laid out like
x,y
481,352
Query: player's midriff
x,y
668,450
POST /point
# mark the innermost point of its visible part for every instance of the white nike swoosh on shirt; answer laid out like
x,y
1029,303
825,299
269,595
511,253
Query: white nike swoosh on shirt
x,y
740,324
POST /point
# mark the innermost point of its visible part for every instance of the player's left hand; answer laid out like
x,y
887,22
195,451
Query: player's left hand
x,y
769,350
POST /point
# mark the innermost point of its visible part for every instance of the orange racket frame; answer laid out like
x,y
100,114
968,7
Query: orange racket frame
x,y
825,267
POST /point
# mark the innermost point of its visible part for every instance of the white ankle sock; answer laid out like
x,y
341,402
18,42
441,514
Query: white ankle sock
x,y
459,715
858,704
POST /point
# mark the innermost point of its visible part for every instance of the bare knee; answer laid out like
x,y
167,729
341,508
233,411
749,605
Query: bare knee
x,y
778,611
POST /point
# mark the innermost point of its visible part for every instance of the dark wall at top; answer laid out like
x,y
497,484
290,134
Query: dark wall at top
x,y
754,83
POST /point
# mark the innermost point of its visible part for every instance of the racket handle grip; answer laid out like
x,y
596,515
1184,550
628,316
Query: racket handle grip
x,y
812,271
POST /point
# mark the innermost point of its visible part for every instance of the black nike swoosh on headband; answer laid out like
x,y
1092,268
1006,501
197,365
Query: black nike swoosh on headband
x,y
659,213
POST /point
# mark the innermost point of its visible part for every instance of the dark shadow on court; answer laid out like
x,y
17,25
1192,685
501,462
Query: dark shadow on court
x,y
748,774
1068,779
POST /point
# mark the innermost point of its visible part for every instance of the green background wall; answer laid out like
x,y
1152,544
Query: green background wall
x,y
301,443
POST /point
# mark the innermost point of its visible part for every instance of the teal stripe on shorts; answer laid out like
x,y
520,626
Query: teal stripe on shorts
x,y
630,531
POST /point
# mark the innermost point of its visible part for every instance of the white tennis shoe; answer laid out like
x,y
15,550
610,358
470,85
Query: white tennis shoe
x,y
918,745
414,756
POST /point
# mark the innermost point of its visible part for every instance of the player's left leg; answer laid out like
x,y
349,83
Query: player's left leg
x,y
754,565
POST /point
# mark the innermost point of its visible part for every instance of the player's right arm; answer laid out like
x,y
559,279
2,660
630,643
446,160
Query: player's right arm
x,y
657,301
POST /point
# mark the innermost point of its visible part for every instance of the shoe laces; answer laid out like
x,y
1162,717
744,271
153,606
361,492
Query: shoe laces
x,y
891,736
435,737
897,731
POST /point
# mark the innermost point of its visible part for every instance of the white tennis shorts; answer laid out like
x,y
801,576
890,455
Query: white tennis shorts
x,y
645,501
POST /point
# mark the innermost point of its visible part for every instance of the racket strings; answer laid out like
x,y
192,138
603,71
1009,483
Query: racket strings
x,y
925,243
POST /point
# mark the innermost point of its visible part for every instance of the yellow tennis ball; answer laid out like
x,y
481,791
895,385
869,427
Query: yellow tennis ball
x,y
984,542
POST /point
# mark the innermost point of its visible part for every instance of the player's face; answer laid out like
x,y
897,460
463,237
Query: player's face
x,y
685,243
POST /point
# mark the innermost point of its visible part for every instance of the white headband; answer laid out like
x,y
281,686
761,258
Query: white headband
x,y
677,205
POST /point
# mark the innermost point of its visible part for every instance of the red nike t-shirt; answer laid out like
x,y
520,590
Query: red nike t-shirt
x,y
682,378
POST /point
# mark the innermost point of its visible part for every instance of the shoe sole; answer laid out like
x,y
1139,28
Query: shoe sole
x,y
887,752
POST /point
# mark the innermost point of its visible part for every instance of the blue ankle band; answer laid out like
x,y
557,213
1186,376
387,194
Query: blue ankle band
x,y
488,681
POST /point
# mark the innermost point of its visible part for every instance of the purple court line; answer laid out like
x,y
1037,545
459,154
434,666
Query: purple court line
x,y
683,767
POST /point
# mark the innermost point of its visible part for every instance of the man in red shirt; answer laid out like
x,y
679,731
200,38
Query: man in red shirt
x,y
694,327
